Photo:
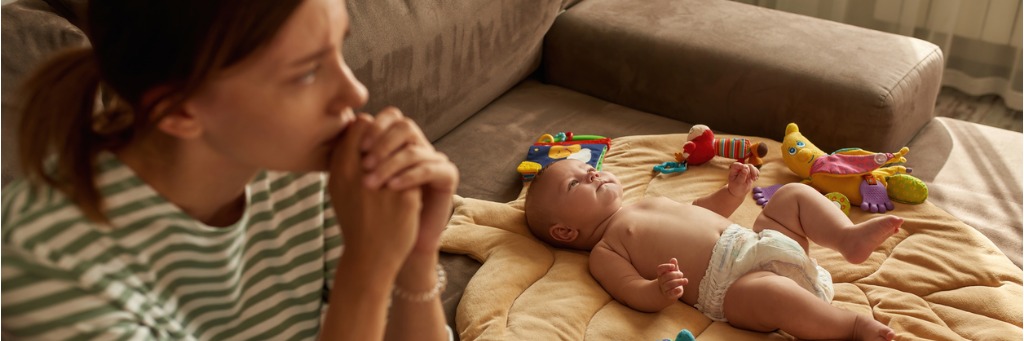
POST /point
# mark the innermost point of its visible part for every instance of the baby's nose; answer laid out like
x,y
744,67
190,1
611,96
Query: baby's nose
x,y
594,176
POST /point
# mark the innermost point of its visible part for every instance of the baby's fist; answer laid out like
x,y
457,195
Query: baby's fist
x,y
741,178
671,280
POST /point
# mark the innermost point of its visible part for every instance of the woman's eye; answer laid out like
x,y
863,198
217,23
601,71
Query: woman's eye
x,y
310,77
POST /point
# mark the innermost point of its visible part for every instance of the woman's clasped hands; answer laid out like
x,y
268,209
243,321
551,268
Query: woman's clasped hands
x,y
392,190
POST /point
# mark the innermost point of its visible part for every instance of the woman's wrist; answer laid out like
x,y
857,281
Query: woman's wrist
x,y
440,283
420,274
374,258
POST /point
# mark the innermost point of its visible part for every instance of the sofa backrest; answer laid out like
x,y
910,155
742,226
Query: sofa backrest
x,y
31,33
441,61
748,70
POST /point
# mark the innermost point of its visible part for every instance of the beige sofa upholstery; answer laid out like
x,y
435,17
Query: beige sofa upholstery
x,y
485,78
747,70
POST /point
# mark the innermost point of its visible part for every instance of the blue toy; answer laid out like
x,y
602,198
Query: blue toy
x,y
684,335
670,167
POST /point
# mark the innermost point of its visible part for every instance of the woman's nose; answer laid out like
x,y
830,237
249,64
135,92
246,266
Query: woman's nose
x,y
351,89
350,92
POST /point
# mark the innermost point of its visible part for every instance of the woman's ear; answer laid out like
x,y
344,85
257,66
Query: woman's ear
x,y
179,123
174,121
563,233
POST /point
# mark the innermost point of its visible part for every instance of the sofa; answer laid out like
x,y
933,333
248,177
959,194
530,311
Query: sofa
x,y
484,79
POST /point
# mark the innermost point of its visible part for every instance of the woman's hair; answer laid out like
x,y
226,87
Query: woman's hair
x,y
85,100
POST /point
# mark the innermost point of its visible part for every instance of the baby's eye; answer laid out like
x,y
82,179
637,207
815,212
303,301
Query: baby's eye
x,y
573,183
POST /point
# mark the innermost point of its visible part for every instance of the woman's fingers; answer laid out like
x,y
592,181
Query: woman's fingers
x,y
346,157
415,166
391,132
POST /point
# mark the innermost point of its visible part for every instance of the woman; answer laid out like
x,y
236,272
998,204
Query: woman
x,y
175,185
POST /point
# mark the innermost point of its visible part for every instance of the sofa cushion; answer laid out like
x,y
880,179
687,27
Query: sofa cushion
x,y
974,173
441,61
748,70
31,33
488,147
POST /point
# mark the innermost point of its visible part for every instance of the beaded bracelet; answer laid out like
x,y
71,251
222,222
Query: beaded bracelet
x,y
442,282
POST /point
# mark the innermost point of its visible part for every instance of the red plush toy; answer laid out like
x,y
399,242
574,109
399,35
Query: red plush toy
x,y
701,146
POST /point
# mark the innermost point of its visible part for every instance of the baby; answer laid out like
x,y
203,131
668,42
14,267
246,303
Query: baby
x,y
759,279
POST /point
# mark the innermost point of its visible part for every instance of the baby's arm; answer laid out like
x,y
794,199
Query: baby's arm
x,y
618,276
727,199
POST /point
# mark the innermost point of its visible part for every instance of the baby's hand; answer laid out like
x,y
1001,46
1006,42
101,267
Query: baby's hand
x,y
741,178
671,280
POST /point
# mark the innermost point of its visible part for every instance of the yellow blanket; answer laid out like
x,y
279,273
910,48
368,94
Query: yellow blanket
x,y
937,279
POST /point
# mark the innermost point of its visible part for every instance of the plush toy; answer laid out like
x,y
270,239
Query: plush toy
x,y
684,335
866,178
701,146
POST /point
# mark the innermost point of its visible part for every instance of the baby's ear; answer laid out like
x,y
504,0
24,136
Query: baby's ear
x,y
563,233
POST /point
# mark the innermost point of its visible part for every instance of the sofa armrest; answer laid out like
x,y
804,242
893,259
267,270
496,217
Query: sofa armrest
x,y
748,70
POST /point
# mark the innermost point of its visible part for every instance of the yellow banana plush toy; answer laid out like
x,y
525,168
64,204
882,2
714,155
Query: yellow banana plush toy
x,y
867,178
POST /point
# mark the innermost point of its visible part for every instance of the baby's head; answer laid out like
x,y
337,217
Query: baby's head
x,y
568,201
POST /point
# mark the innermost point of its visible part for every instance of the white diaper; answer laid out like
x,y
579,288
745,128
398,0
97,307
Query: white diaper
x,y
740,251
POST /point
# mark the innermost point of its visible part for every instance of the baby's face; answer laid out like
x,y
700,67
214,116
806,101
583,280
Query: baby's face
x,y
579,195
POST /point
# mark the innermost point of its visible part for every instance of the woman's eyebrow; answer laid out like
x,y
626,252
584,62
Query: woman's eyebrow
x,y
310,58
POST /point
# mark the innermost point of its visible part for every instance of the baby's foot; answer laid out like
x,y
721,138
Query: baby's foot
x,y
864,328
863,238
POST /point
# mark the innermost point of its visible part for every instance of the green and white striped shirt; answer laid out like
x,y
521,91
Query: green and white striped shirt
x,y
158,273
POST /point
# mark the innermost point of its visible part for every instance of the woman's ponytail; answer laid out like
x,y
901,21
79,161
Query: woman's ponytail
x,y
58,141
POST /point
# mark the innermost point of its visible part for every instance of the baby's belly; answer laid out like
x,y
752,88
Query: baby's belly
x,y
690,247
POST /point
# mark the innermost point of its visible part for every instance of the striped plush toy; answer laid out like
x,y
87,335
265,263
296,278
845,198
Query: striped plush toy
x,y
701,146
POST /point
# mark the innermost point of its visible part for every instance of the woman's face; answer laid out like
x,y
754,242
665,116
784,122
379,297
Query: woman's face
x,y
284,106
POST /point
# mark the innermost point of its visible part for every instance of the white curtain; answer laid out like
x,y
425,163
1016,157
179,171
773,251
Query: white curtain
x,y
980,39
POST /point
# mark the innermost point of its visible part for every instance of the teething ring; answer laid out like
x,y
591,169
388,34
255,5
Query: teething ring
x,y
840,200
670,167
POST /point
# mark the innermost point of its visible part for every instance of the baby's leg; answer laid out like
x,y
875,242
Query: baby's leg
x,y
763,301
800,212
